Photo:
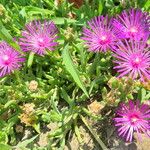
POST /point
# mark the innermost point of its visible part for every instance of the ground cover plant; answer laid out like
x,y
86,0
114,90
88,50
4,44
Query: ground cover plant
x,y
74,74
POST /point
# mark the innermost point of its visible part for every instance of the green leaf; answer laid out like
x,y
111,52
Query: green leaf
x,y
57,132
30,59
2,123
60,20
100,7
46,117
5,147
54,102
77,132
72,70
147,5
24,143
36,127
94,64
142,94
147,96
100,142
5,35
31,10
3,137
10,103
55,117
66,97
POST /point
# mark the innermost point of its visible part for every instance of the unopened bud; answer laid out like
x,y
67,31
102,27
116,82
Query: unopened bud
x,y
57,2
69,33
33,85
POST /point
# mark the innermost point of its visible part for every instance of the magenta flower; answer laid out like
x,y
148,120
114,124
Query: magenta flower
x,y
39,37
99,35
132,24
10,59
132,117
132,58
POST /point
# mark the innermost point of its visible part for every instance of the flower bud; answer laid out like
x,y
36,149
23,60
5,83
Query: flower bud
x,y
33,85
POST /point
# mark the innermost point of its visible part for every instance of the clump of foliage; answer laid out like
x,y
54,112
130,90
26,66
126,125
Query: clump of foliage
x,y
59,90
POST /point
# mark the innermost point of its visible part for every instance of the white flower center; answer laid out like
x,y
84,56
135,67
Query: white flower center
x,y
134,119
133,30
137,60
103,38
41,40
5,57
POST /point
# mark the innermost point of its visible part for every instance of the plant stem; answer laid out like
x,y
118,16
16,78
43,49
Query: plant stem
x,y
100,142
94,64
17,77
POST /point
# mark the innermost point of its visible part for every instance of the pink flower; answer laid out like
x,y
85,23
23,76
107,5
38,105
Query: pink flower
x,y
10,59
39,37
132,117
99,35
132,58
132,24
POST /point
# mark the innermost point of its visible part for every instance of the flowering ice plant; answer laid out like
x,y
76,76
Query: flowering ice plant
x,y
132,24
132,58
132,117
99,36
39,37
10,59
